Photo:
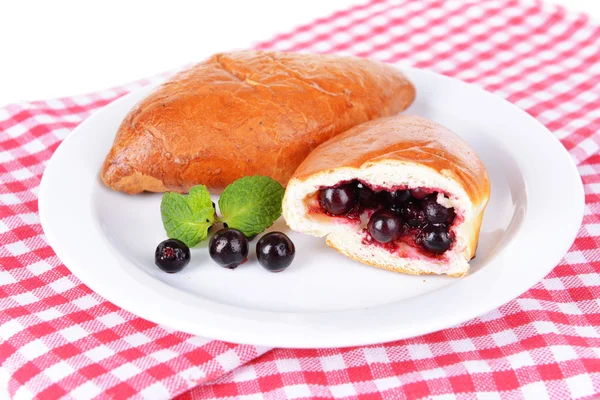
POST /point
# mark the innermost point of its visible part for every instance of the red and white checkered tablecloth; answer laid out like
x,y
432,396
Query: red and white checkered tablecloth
x,y
58,338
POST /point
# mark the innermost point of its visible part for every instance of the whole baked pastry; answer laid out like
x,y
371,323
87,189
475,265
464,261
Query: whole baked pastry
x,y
247,113
401,193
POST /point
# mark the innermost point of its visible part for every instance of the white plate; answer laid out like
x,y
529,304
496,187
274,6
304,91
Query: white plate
x,y
107,239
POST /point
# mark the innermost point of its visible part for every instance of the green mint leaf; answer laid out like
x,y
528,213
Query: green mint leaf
x,y
187,218
251,204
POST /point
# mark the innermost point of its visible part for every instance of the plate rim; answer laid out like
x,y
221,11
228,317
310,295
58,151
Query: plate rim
x,y
80,272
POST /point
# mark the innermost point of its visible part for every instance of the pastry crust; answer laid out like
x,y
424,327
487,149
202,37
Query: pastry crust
x,y
247,113
395,151
408,139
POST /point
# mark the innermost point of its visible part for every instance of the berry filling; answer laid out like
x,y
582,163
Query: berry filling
x,y
396,216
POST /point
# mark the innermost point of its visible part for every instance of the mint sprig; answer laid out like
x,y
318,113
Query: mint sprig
x,y
188,218
251,204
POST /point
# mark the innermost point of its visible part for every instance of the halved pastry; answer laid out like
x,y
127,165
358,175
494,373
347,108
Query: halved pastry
x,y
401,193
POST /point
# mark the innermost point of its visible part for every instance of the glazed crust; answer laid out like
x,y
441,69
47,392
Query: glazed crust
x,y
406,138
247,113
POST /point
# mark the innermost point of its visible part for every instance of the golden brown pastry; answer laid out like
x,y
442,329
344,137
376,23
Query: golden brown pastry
x,y
401,193
247,113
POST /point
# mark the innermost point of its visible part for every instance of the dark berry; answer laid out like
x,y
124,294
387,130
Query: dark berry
x,y
397,197
412,214
275,251
419,193
337,200
451,217
435,238
385,226
172,255
366,196
437,213
228,247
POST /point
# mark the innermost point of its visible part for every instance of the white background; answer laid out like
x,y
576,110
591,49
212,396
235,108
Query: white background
x,y
62,48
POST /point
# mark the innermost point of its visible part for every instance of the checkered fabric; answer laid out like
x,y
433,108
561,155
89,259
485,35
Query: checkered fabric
x,y
57,338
